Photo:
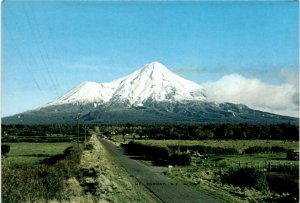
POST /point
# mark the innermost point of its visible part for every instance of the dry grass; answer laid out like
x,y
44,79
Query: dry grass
x,y
207,181
104,180
39,183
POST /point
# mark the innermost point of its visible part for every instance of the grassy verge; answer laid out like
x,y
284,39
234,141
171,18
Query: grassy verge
x,y
104,180
40,182
211,181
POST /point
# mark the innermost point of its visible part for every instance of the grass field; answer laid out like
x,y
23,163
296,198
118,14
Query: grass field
x,y
206,170
257,159
33,153
240,145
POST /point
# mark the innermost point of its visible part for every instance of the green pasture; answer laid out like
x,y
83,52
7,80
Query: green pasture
x,y
240,145
259,160
32,153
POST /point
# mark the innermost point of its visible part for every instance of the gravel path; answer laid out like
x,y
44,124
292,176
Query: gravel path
x,y
166,189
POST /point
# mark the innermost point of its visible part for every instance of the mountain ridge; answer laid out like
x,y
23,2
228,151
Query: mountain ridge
x,y
152,81
151,94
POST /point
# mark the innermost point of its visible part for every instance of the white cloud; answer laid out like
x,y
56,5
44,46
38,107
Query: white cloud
x,y
291,77
280,99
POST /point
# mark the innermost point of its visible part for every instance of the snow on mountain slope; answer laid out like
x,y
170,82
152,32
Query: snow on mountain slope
x,y
88,92
152,82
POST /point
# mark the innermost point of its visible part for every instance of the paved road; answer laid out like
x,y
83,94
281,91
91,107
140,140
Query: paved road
x,y
164,188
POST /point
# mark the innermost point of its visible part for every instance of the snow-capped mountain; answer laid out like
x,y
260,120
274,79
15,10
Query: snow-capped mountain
x,y
151,83
155,83
149,95
87,92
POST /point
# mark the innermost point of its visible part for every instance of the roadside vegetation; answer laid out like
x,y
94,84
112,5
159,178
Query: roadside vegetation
x,y
104,180
47,171
39,182
35,168
234,162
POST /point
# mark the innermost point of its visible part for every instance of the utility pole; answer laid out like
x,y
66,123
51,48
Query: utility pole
x,y
179,142
177,125
78,129
84,136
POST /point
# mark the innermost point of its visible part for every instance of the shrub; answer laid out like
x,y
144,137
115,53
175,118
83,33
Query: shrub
x,y
282,184
292,155
256,150
180,159
89,147
261,149
278,149
246,177
40,183
5,149
208,149
151,151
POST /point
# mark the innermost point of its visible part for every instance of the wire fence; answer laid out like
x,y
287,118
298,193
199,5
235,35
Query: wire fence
x,y
263,165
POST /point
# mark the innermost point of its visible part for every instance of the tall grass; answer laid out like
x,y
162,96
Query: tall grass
x,y
42,182
246,177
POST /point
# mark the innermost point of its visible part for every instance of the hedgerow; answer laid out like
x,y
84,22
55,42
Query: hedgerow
x,y
159,154
208,149
261,149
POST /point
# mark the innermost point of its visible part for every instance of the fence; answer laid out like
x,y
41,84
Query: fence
x,y
264,165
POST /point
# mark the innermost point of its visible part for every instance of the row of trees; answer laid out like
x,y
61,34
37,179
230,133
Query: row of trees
x,y
41,130
216,131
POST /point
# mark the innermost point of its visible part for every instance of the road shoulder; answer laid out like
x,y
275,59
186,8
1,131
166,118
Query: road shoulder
x,y
104,180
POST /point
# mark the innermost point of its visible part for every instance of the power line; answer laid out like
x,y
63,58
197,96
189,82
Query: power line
x,y
35,38
56,83
23,59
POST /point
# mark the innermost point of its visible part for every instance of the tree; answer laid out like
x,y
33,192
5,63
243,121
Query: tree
x,y
5,149
203,134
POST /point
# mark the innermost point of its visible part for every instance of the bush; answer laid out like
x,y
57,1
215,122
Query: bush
x,y
261,149
40,183
246,177
180,159
89,147
151,151
278,149
5,149
282,184
207,149
160,154
256,150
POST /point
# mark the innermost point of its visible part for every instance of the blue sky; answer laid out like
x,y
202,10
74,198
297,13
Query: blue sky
x,y
50,47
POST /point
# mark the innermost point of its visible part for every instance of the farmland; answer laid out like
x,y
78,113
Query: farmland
x,y
240,145
46,171
38,162
207,172
201,157
33,153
